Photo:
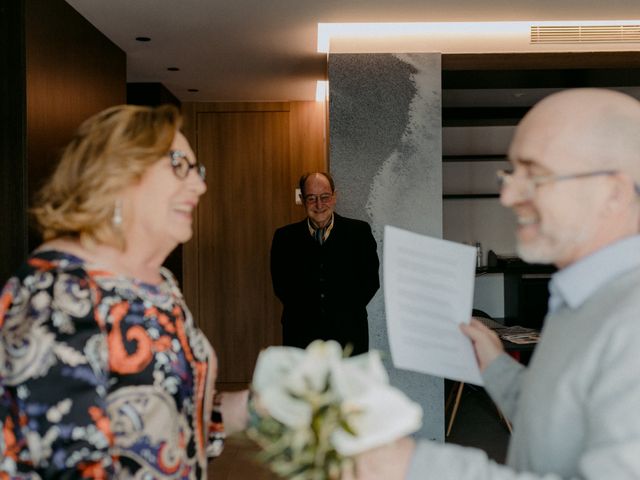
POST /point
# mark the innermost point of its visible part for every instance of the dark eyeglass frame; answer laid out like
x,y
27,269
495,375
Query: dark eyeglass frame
x,y
533,182
324,198
178,161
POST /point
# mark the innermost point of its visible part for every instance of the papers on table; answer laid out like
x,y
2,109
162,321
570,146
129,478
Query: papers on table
x,y
517,334
428,293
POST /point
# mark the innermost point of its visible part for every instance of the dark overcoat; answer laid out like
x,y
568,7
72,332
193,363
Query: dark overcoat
x,y
325,289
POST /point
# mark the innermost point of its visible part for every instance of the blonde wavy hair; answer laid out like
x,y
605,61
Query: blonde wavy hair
x,y
110,152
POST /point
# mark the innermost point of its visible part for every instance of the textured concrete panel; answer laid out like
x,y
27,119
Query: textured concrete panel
x,y
386,156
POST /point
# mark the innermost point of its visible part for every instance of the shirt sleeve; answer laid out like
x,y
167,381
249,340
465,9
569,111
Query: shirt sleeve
x,y
612,425
435,461
503,381
431,460
53,379
217,433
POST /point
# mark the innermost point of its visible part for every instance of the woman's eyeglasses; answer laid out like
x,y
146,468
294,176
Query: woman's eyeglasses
x,y
181,165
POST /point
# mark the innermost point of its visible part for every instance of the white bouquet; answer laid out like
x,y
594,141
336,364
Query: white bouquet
x,y
313,409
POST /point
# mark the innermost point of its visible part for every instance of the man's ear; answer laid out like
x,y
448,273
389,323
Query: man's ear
x,y
622,191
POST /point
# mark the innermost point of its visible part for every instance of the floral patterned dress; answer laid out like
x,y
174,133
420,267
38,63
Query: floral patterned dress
x,y
102,376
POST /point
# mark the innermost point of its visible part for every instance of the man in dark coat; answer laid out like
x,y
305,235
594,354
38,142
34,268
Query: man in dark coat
x,y
324,271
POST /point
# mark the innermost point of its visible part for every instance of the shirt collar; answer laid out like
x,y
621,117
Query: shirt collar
x,y
328,228
573,285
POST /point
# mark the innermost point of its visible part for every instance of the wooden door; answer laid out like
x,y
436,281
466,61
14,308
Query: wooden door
x,y
254,154
247,154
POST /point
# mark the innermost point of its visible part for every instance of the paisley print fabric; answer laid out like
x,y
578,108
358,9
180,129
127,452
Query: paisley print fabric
x,y
102,376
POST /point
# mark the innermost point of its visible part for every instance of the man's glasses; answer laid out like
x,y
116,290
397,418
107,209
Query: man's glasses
x,y
181,165
323,198
530,184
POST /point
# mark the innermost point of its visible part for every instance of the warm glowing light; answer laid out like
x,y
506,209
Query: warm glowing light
x,y
322,90
439,36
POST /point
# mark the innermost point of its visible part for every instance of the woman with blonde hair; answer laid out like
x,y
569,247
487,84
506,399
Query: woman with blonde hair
x,y
103,371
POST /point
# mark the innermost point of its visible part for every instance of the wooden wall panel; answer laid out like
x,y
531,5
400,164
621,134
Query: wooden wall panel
x,y
308,137
13,184
254,155
309,145
244,153
57,69
72,72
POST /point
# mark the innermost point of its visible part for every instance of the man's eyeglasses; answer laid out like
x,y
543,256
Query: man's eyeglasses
x,y
181,165
530,184
323,198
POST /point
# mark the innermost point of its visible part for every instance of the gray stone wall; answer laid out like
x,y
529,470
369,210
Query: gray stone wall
x,y
385,139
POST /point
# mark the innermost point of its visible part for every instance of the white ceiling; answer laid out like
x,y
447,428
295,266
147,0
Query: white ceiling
x,y
265,50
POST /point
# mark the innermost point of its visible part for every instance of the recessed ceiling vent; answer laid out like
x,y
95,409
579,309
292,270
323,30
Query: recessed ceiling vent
x,y
585,34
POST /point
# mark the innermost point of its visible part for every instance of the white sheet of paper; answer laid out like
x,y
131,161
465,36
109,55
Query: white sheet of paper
x,y
428,293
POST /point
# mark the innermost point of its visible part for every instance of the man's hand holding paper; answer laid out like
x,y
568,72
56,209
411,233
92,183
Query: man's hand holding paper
x,y
486,343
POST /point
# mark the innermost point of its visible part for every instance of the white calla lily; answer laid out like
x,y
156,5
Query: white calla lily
x,y
292,412
311,373
354,375
379,416
273,366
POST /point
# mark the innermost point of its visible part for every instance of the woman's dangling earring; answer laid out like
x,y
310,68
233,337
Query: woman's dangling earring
x,y
117,214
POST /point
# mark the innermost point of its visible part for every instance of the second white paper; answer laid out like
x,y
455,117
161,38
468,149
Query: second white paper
x,y
428,293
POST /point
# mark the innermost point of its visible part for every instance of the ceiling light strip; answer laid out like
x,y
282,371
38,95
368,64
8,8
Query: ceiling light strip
x,y
584,31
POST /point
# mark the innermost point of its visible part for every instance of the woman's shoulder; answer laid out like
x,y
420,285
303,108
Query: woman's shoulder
x,y
48,280
41,272
50,262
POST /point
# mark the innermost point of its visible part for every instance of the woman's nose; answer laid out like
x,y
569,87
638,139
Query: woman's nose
x,y
196,182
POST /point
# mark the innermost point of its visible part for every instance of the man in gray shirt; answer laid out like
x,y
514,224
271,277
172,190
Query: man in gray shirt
x,y
575,408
